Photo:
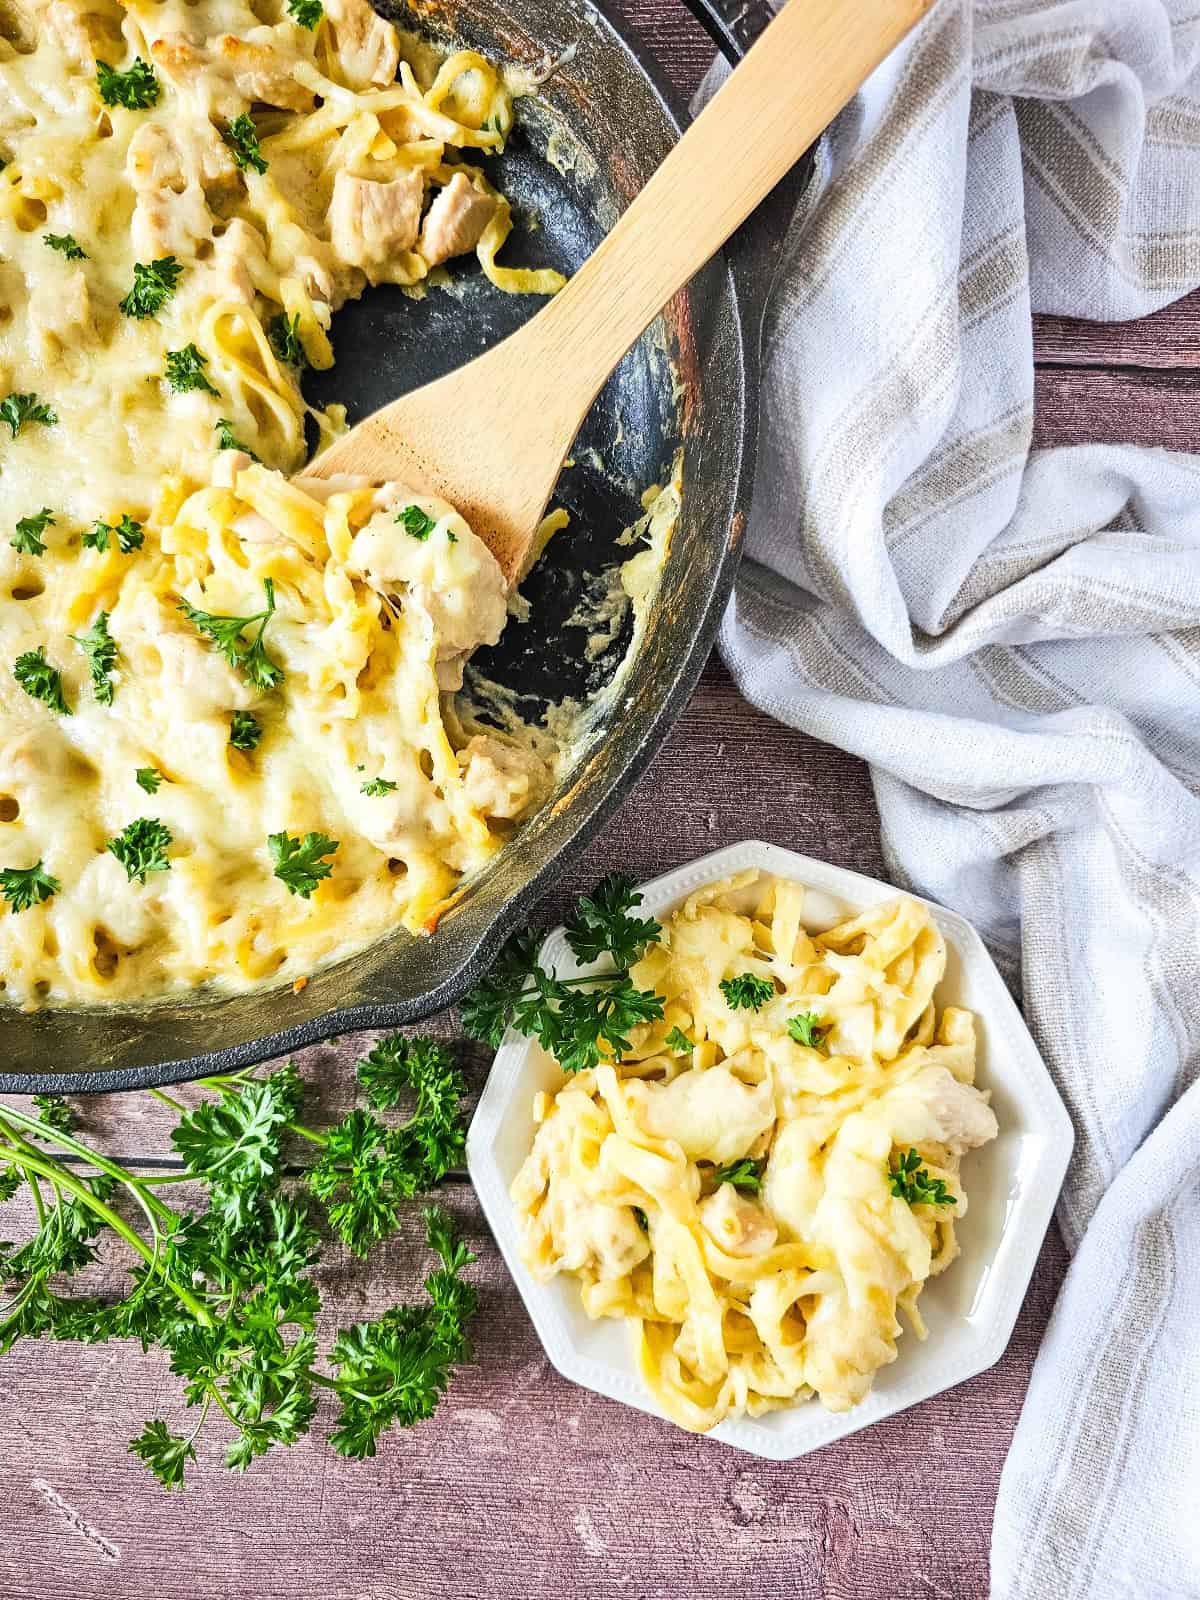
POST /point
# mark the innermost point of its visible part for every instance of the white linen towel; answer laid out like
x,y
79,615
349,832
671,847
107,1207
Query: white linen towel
x,y
1012,640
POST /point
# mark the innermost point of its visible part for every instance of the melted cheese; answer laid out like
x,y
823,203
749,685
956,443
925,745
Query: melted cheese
x,y
372,623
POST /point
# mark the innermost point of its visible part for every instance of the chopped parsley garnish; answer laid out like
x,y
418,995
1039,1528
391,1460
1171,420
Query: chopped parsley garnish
x,y
297,862
679,1042
66,244
284,335
136,89
377,787
245,730
602,924
23,887
571,1017
130,535
40,680
306,12
909,1180
185,371
744,1174
226,633
27,537
747,992
149,779
226,440
154,282
19,409
141,848
242,138
100,648
805,1029
415,522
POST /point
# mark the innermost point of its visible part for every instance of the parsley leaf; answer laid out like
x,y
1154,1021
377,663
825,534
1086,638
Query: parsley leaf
x,y
415,522
242,138
284,336
130,535
154,283
66,244
100,648
18,409
226,633
23,887
377,787
744,1174
137,88
27,537
148,779
602,924
54,1111
746,992
185,371
141,848
806,1029
40,680
297,862
306,12
679,1042
909,1180
227,440
245,730
165,1453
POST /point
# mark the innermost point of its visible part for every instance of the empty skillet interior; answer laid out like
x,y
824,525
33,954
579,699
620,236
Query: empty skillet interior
x,y
581,148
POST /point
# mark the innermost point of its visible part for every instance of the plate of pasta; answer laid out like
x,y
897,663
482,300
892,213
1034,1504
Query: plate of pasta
x,y
809,1190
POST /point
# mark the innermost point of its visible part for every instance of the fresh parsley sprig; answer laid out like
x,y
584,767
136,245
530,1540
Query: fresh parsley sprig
x,y
747,992
148,779
245,730
22,887
242,138
228,1292
27,535
226,633
137,89
129,535
141,848
284,336
40,680
306,12
415,522
909,1180
185,371
100,648
375,788
298,862
744,1174
154,282
678,1042
66,244
20,410
580,1021
806,1029
228,440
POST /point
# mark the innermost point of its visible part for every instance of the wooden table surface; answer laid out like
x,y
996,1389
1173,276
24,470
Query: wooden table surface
x,y
523,1485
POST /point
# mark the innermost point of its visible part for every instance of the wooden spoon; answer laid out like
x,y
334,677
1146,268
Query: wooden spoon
x,y
492,436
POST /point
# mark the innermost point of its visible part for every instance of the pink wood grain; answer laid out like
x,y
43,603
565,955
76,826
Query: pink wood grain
x,y
523,1485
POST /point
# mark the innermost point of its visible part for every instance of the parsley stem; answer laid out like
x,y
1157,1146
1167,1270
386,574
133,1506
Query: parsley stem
x,y
168,1100
148,1202
59,1175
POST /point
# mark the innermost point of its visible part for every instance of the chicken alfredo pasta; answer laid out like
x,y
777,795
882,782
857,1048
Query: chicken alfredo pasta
x,y
771,1172
225,751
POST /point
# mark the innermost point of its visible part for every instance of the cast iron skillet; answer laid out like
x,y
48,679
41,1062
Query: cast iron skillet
x,y
615,123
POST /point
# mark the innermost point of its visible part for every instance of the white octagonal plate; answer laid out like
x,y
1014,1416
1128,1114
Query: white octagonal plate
x,y
1012,1184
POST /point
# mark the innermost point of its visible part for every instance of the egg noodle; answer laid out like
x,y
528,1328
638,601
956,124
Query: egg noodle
x,y
771,1173
188,191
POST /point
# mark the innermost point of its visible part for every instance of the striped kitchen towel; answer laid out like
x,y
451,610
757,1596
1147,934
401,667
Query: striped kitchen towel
x,y
1012,640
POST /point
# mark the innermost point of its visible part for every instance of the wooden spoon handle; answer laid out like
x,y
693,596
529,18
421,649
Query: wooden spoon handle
x,y
803,70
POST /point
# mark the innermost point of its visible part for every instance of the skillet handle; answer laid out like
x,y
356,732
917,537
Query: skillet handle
x,y
733,25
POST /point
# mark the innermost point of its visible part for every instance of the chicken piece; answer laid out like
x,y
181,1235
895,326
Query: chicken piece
x,y
501,780
367,46
84,35
455,221
736,1224
60,312
712,1115
174,173
370,222
240,263
935,1108
229,71
193,675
